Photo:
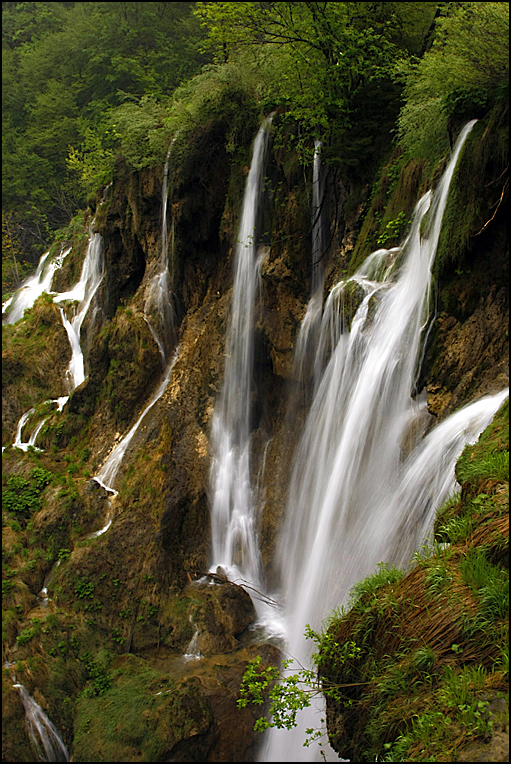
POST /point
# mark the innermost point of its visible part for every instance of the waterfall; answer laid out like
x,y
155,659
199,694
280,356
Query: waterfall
x,y
18,443
233,495
83,292
158,309
309,331
355,497
41,730
108,472
33,287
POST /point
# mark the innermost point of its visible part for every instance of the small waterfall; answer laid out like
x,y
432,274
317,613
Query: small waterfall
x,y
192,651
158,308
355,498
83,293
18,443
41,730
23,445
158,311
234,498
33,287
108,472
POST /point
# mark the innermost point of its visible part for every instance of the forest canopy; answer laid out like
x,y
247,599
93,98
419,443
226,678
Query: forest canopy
x,y
87,84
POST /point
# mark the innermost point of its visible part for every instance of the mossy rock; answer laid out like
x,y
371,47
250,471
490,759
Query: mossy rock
x,y
220,611
143,716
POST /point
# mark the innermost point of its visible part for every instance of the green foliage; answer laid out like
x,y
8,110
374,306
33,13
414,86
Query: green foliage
x,y
393,230
438,577
255,682
466,68
98,674
366,589
23,495
286,697
29,633
64,66
313,57
83,588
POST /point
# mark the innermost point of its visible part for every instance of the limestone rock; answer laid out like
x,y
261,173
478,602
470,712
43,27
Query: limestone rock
x,y
220,612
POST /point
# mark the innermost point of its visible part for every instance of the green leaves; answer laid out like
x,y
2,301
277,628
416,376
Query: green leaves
x,y
23,496
458,77
286,698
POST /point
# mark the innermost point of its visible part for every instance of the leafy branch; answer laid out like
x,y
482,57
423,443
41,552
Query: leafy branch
x,y
287,695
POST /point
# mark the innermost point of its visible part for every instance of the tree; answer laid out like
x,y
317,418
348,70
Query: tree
x,y
320,54
64,66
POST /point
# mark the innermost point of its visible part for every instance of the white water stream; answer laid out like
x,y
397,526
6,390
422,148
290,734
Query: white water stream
x,y
158,309
41,281
43,733
82,293
234,512
308,336
108,472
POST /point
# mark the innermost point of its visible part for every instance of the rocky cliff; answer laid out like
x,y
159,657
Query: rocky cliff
x,y
124,606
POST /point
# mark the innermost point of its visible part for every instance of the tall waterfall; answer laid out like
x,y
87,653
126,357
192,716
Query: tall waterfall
x,y
357,496
233,495
158,308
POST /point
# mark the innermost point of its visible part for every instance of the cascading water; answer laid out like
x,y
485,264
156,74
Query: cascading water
x,y
18,443
355,498
234,497
83,292
42,731
33,287
308,335
108,472
158,308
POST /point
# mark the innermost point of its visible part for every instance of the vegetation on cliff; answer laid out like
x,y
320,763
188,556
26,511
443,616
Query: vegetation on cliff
x,y
337,70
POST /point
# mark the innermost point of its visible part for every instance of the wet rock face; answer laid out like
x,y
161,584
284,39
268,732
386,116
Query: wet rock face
x,y
470,357
220,612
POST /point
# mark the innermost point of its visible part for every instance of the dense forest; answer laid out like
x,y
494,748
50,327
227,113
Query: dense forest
x,y
133,133
88,85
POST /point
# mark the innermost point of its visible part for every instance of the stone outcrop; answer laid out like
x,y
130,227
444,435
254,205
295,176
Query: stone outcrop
x,y
220,611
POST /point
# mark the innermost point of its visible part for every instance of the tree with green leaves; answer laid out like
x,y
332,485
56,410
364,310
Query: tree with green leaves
x,y
313,56
64,66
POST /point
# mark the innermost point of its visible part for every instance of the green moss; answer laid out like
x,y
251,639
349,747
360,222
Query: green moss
x,y
140,717
476,188
394,195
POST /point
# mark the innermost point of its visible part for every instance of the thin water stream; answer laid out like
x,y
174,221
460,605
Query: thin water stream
x,y
108,472
44,736
158,308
